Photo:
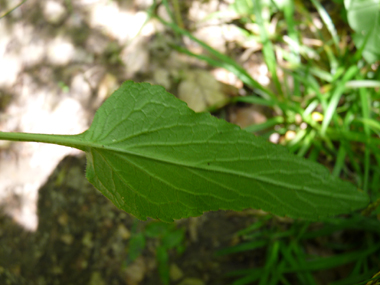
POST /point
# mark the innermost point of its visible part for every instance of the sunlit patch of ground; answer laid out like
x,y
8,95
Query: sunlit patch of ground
x,y
52,77
60,60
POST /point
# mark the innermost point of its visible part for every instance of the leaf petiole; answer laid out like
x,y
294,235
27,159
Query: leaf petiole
x,y
65,140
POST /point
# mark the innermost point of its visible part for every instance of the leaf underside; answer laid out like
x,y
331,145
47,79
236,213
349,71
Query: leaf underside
x,y
152,156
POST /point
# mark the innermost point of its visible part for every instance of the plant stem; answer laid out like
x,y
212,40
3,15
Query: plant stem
x,y
74,141
11,10
177,14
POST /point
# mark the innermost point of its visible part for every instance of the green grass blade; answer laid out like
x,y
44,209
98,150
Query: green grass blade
x,y
12,9
255,226
371,142
240,72
339,163
297,141
317,72
294,49
168,10
368,124
292,30
363,84
307,143
365,99
255,100
328,22
335,97
252,277
268,49
334,63
242,247
299,257
324,263
266,125
270,263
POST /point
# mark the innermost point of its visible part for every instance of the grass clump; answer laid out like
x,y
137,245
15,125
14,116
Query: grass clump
x,y
326,92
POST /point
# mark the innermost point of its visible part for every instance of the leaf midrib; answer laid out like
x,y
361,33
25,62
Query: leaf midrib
x,y
222,170
286,205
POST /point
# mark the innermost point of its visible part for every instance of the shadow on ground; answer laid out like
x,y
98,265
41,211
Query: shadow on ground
x,y
82,238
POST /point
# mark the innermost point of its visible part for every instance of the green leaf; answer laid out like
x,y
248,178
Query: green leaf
x,y
136,246
364,18
152,156
163,264
173,238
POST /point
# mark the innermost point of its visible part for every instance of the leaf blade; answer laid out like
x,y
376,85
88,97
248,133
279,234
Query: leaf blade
x,y
157,158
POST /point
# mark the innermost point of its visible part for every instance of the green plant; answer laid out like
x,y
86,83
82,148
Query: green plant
x,y
331,81
363,18
288,248
12,9
335,95
154,157
168,237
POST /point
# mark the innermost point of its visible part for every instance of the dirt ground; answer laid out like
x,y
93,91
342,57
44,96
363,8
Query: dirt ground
x,y
82,238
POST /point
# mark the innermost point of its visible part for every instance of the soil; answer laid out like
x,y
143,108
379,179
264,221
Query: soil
x,y
82,238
